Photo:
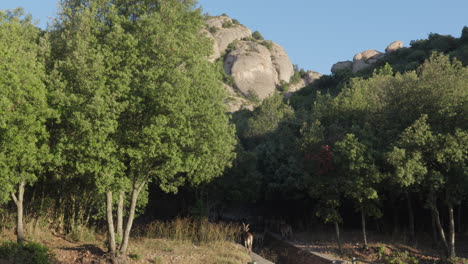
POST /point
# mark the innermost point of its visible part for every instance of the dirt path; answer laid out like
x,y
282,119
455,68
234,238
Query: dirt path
x,y
258,259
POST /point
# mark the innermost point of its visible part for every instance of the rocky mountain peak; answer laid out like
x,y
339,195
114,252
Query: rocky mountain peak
x,y
258,67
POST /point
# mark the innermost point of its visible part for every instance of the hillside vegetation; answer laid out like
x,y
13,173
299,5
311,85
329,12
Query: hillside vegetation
x,y
116,114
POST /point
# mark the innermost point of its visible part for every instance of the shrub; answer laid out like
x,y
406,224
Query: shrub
x,y
235,22
399,258
253,97
283,86
268,44
213,29
295,78
227,24
464,35
417,55
256,35
28,253
231,46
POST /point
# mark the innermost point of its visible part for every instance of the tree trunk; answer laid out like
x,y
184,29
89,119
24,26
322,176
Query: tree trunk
x,y
131,215
120,206
363,222
338,240
110,224
434,229
411,219
451,232
396,221
440,228
459,224
19,206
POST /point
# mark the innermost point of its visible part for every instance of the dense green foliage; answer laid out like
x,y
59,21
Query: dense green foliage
x,y
117,95
366,139
28,253
133,100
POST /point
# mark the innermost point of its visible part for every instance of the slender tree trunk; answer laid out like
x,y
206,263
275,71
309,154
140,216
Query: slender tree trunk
x,y
120,206
19,206
363,222
410,219
440,228
396,221
459,224
131,215
110,224
338,240
434,229
451,232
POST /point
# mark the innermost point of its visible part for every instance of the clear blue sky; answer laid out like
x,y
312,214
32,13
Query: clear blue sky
x,y
318,33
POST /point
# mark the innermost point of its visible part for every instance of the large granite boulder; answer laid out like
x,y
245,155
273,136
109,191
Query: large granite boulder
x,y
394,46
223,35
309,78
281,62
365,59
252,69
342,65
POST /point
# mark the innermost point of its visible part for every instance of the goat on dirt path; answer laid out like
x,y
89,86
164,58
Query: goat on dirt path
x,y
247,237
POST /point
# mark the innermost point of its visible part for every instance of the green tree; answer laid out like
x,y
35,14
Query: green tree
x,y
175,130
23,109
356,163
90,76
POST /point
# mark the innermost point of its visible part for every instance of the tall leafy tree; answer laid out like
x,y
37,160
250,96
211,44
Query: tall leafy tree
x,y
89,79
175,130
23,109
361,179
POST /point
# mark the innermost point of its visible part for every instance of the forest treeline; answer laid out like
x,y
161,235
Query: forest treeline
x,y
391,134
116,96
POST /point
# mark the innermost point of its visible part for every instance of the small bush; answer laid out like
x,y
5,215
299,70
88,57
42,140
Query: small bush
x,y
283,86
268,44
28,253
399,258
135,256
235,22
81,233
253,97
213,29
227,24
464,35
256,35
295,78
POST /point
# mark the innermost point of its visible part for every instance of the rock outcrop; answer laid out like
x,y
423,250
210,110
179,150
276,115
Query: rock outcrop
x,y
258,67
394,46
309,78
223,32
342,65
281,62
363,60
250,65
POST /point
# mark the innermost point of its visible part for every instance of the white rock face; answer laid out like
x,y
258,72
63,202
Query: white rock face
x,y
310,77
282,63
394,46
224,36
251,67
365,59
236,102
342,65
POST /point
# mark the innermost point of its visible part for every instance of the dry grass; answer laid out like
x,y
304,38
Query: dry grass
x,y
187,229
179,241
184,252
